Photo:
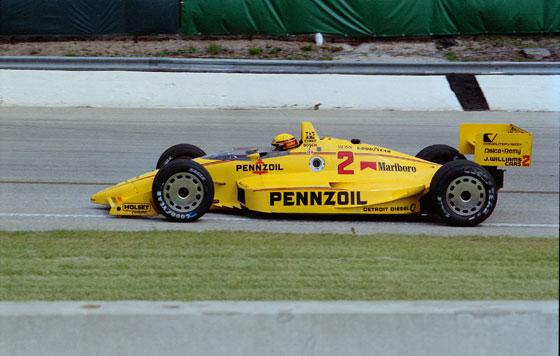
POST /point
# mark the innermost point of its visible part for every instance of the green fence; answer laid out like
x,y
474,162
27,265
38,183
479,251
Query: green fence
x,y
88,17
370,17
279,17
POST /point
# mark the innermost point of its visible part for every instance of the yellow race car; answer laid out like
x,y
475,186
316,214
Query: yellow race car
x,y
325,175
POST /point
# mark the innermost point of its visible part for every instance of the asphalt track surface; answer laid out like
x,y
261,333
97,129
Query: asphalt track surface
x,y
53,159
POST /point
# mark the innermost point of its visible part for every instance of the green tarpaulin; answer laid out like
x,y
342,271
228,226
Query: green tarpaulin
x,y
279,17
88,17
370,17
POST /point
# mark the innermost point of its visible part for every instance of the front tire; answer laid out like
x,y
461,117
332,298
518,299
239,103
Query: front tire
x,y
183,190
463,193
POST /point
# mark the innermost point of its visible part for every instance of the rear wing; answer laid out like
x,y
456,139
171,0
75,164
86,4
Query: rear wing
x,y
498,145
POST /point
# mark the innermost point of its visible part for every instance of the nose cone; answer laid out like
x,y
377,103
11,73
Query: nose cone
x,y
101,197
123,191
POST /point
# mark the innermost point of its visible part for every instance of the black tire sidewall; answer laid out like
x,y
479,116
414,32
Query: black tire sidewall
x,y
180,151
187,166
449,172
440,154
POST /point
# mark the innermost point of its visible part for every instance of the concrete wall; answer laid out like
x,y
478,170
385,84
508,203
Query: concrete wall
x,y
279,328
230,90
526,93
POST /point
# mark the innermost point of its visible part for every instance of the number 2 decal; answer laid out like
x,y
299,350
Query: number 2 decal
x,y
526,161
348,158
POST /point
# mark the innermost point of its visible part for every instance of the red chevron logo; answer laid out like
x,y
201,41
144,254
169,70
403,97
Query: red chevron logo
x,y
366,165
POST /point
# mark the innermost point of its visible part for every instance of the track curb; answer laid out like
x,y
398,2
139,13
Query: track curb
x,y
280,328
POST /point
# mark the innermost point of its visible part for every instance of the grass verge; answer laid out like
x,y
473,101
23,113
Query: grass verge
x,y
72,265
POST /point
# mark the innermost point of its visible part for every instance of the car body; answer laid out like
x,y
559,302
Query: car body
x,y
323,175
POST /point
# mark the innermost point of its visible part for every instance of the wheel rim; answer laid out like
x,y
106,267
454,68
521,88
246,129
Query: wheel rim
x,y
183,192
466,195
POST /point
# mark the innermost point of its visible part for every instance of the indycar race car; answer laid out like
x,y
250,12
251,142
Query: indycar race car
x,y
325,175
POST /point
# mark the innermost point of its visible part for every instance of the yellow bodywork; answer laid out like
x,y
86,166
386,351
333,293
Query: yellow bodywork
x,y
323,175
131,197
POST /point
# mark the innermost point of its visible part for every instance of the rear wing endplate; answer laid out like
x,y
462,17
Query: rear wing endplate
x,y
496,145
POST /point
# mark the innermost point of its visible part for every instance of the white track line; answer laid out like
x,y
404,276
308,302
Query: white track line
x,y
30,215
27,215
225,218
520,225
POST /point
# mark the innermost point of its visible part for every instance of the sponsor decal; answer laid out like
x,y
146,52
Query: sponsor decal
x,y
376,209
317,198
516,151
395,167
198,173
387,209
510,161
504,149
310,139
373,149
310,136
173,213
347,158
136,208
382,166
259,167
489,138
366,165
364,148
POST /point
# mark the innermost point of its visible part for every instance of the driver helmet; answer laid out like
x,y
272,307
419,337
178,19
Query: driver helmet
x,y
284,141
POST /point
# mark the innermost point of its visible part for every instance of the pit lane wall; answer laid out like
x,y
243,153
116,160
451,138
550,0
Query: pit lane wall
x,y
280,328
53,88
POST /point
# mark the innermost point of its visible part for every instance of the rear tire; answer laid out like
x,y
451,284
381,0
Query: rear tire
x,y
463,193
440,154
182,150
183,190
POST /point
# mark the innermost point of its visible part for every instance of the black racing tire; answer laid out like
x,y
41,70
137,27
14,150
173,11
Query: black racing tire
x,y
440,154
462,193
182,150
183,190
